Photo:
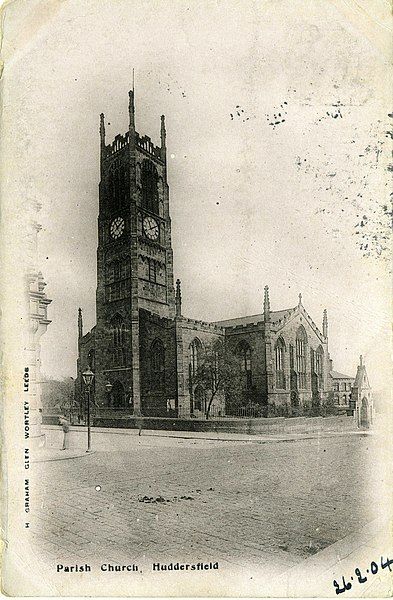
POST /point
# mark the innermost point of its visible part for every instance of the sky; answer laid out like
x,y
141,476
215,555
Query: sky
x,y
276,113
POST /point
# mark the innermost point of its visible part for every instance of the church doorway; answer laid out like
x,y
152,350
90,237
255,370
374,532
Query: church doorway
x,y
118,395
364,414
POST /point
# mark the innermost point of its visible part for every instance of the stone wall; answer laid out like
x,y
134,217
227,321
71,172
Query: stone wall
x,y
258,426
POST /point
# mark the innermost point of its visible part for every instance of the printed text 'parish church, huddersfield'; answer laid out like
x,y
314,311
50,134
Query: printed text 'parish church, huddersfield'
x,y
143,349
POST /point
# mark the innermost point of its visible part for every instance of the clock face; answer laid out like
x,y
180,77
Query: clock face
x,y
117,227
150,228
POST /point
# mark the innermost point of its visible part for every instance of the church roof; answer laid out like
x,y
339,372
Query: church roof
x,y
275,315
361,379
337,375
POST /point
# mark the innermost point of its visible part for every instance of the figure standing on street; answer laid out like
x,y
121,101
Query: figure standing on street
x,y
66,428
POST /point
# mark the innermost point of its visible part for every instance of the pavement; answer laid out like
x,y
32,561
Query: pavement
x,y
53,453
78,436
356,561
269,514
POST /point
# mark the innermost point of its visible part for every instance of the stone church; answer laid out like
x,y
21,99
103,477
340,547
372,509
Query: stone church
x,y
143,351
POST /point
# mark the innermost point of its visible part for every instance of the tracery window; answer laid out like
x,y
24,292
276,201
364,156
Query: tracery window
x,y
195,355
157,364
319,366
149,181
301,343
244,353
118,338
117,185
152,270
117,279
279,363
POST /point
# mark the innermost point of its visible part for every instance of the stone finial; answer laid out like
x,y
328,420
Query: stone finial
x,y
325,324
178,298
80,323
361,360
266,304
300,299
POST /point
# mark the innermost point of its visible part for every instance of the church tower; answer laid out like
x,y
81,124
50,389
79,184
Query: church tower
x,y
134,257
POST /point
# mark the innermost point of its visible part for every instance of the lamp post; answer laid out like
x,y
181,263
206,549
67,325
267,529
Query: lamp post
x,y
88,377
108,387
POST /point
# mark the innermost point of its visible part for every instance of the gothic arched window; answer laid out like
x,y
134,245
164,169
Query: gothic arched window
x,y
122,334
279,363
301,345
244,353
149,181
319,365
118,395
157,364
117,184
195,356
118,338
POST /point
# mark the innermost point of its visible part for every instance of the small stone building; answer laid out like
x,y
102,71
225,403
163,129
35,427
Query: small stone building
x,y
362,398
341,386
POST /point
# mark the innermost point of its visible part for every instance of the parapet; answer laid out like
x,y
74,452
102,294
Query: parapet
x,y
142,143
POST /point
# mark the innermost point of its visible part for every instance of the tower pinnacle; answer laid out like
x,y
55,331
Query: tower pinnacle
x,y
102,129
178,298
325,324
80,323
163,132
266,304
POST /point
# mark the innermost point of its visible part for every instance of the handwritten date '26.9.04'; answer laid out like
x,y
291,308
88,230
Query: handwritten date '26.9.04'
x,y
362,579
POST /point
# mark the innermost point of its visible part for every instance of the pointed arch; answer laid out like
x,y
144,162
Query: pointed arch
x,y
279,357
301,349
118,395
157,364
195,349
149,182
118,340
117,184
319,356
243,351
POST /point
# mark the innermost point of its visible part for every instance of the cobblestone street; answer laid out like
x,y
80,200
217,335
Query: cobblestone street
x,y
243,504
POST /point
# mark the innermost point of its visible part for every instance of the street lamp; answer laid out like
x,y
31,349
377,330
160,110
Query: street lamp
x,y
88,377
108,387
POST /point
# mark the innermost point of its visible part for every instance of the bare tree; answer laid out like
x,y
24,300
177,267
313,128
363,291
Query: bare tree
x,y
219,373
